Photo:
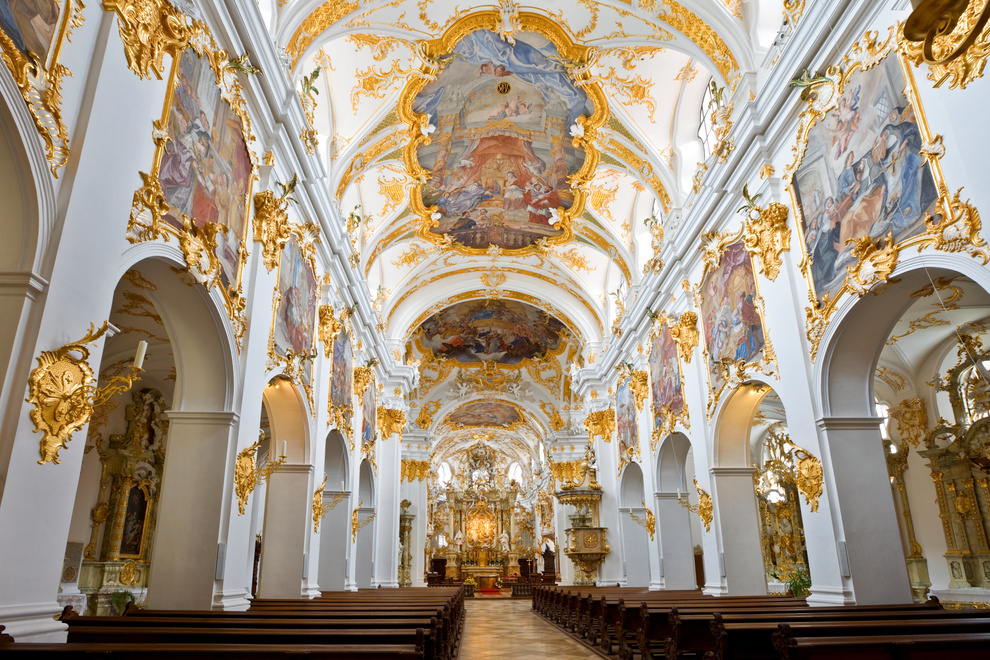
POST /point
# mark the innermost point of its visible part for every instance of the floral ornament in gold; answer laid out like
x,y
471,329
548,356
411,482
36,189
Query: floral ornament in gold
x,y
321,508
307,96
271,221
601,423
363,377
912,420
765,232
390,421
790,463
414,470
426,413
40,83
703,508
150,30
356,523
639,382
62,390
950,37
685,333
248,474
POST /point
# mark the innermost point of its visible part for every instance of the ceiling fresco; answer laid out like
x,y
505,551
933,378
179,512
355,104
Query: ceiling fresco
x,y
486,413
506,332
502,154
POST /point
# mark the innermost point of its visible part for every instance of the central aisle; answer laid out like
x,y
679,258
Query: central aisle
x,y
497,628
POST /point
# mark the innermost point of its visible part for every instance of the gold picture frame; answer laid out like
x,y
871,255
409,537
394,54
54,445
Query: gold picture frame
x,y
713,245
436,54
341,416
954,228
149,206
39,80
666,415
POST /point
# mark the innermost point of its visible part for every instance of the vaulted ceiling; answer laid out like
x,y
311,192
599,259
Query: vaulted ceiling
x,y
509,153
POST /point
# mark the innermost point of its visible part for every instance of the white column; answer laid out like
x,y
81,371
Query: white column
x,y
288,515
737,521
187,536
858,486
610,570
415,492
387,517
676,551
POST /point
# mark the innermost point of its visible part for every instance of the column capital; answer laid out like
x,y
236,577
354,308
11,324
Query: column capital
x,y
216,417
735,471
849,423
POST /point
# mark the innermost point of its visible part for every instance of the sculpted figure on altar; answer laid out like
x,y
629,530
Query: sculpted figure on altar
x,y
503,542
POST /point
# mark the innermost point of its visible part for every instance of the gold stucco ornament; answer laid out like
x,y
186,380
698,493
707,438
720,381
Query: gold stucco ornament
x,y
390,421
357,523
321,508
601,422
685,333
414,470
765,233
247,474
271,222
62,390
703,508
951,37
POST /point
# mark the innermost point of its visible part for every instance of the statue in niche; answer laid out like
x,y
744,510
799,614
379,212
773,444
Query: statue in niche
x,y
503,542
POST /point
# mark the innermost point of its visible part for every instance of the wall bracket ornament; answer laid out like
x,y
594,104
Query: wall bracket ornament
x,y
320,507
62,390
40,83
703,508
328,328
271,222
649,523
414,470
356,523
248,474
152,29
685,333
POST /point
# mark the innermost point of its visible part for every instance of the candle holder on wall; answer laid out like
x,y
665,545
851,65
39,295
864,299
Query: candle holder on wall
x,y
248,474
322,507
62,390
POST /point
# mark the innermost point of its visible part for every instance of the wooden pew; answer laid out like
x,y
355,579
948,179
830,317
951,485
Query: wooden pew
x,y
969,646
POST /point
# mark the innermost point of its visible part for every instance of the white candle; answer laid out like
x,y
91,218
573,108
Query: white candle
x,y
142,348
342,485
284,447
678,493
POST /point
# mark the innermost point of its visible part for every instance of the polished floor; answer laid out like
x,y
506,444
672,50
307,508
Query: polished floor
x,y
497,628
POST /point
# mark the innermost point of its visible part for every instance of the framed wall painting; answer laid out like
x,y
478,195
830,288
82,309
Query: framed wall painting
x,y
666,385
627,430
32,34
199,187
368,421
866,182
731,316
341,401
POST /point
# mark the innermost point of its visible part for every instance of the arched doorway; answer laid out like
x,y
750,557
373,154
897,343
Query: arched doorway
x,y
333,529
363,531
679,532
635,538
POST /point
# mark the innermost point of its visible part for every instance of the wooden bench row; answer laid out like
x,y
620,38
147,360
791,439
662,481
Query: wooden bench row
x,y
420,623
681,624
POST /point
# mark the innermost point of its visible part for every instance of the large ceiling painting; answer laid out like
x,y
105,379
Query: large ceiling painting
x,y
486,413
503,136
507,332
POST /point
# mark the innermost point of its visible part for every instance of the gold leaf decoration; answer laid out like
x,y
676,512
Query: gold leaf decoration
x,y
601,423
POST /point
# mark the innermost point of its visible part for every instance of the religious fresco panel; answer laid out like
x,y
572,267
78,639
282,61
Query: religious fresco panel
x,y
295,316
625,419
501,154
862,175
486,413
665,377
492,330
342,368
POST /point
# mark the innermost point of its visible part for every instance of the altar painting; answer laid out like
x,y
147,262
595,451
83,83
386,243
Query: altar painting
x,y
862,175
501,155
135,515
30,24
341,367
368,418
627,432
732,324
205,168
506,332
486,413
666,393
295,315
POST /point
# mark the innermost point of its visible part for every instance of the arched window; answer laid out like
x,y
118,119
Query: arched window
x,y
516,473
883,412
444,475
706,131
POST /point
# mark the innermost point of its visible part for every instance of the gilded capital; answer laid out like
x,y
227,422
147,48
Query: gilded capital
x,y
271,226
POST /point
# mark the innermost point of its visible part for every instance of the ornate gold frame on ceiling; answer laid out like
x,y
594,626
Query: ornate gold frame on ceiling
x,y
668,417
149,205
511,427
957,231
713,244
40,83
433,51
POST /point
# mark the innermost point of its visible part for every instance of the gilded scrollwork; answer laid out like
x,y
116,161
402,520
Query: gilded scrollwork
x,y
685,333
61,388
248,474
426,413
390,421
363,377
703,508
556,421
271,226
601,423
765,233
39,78
152,29
414,470
955,46
327,328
